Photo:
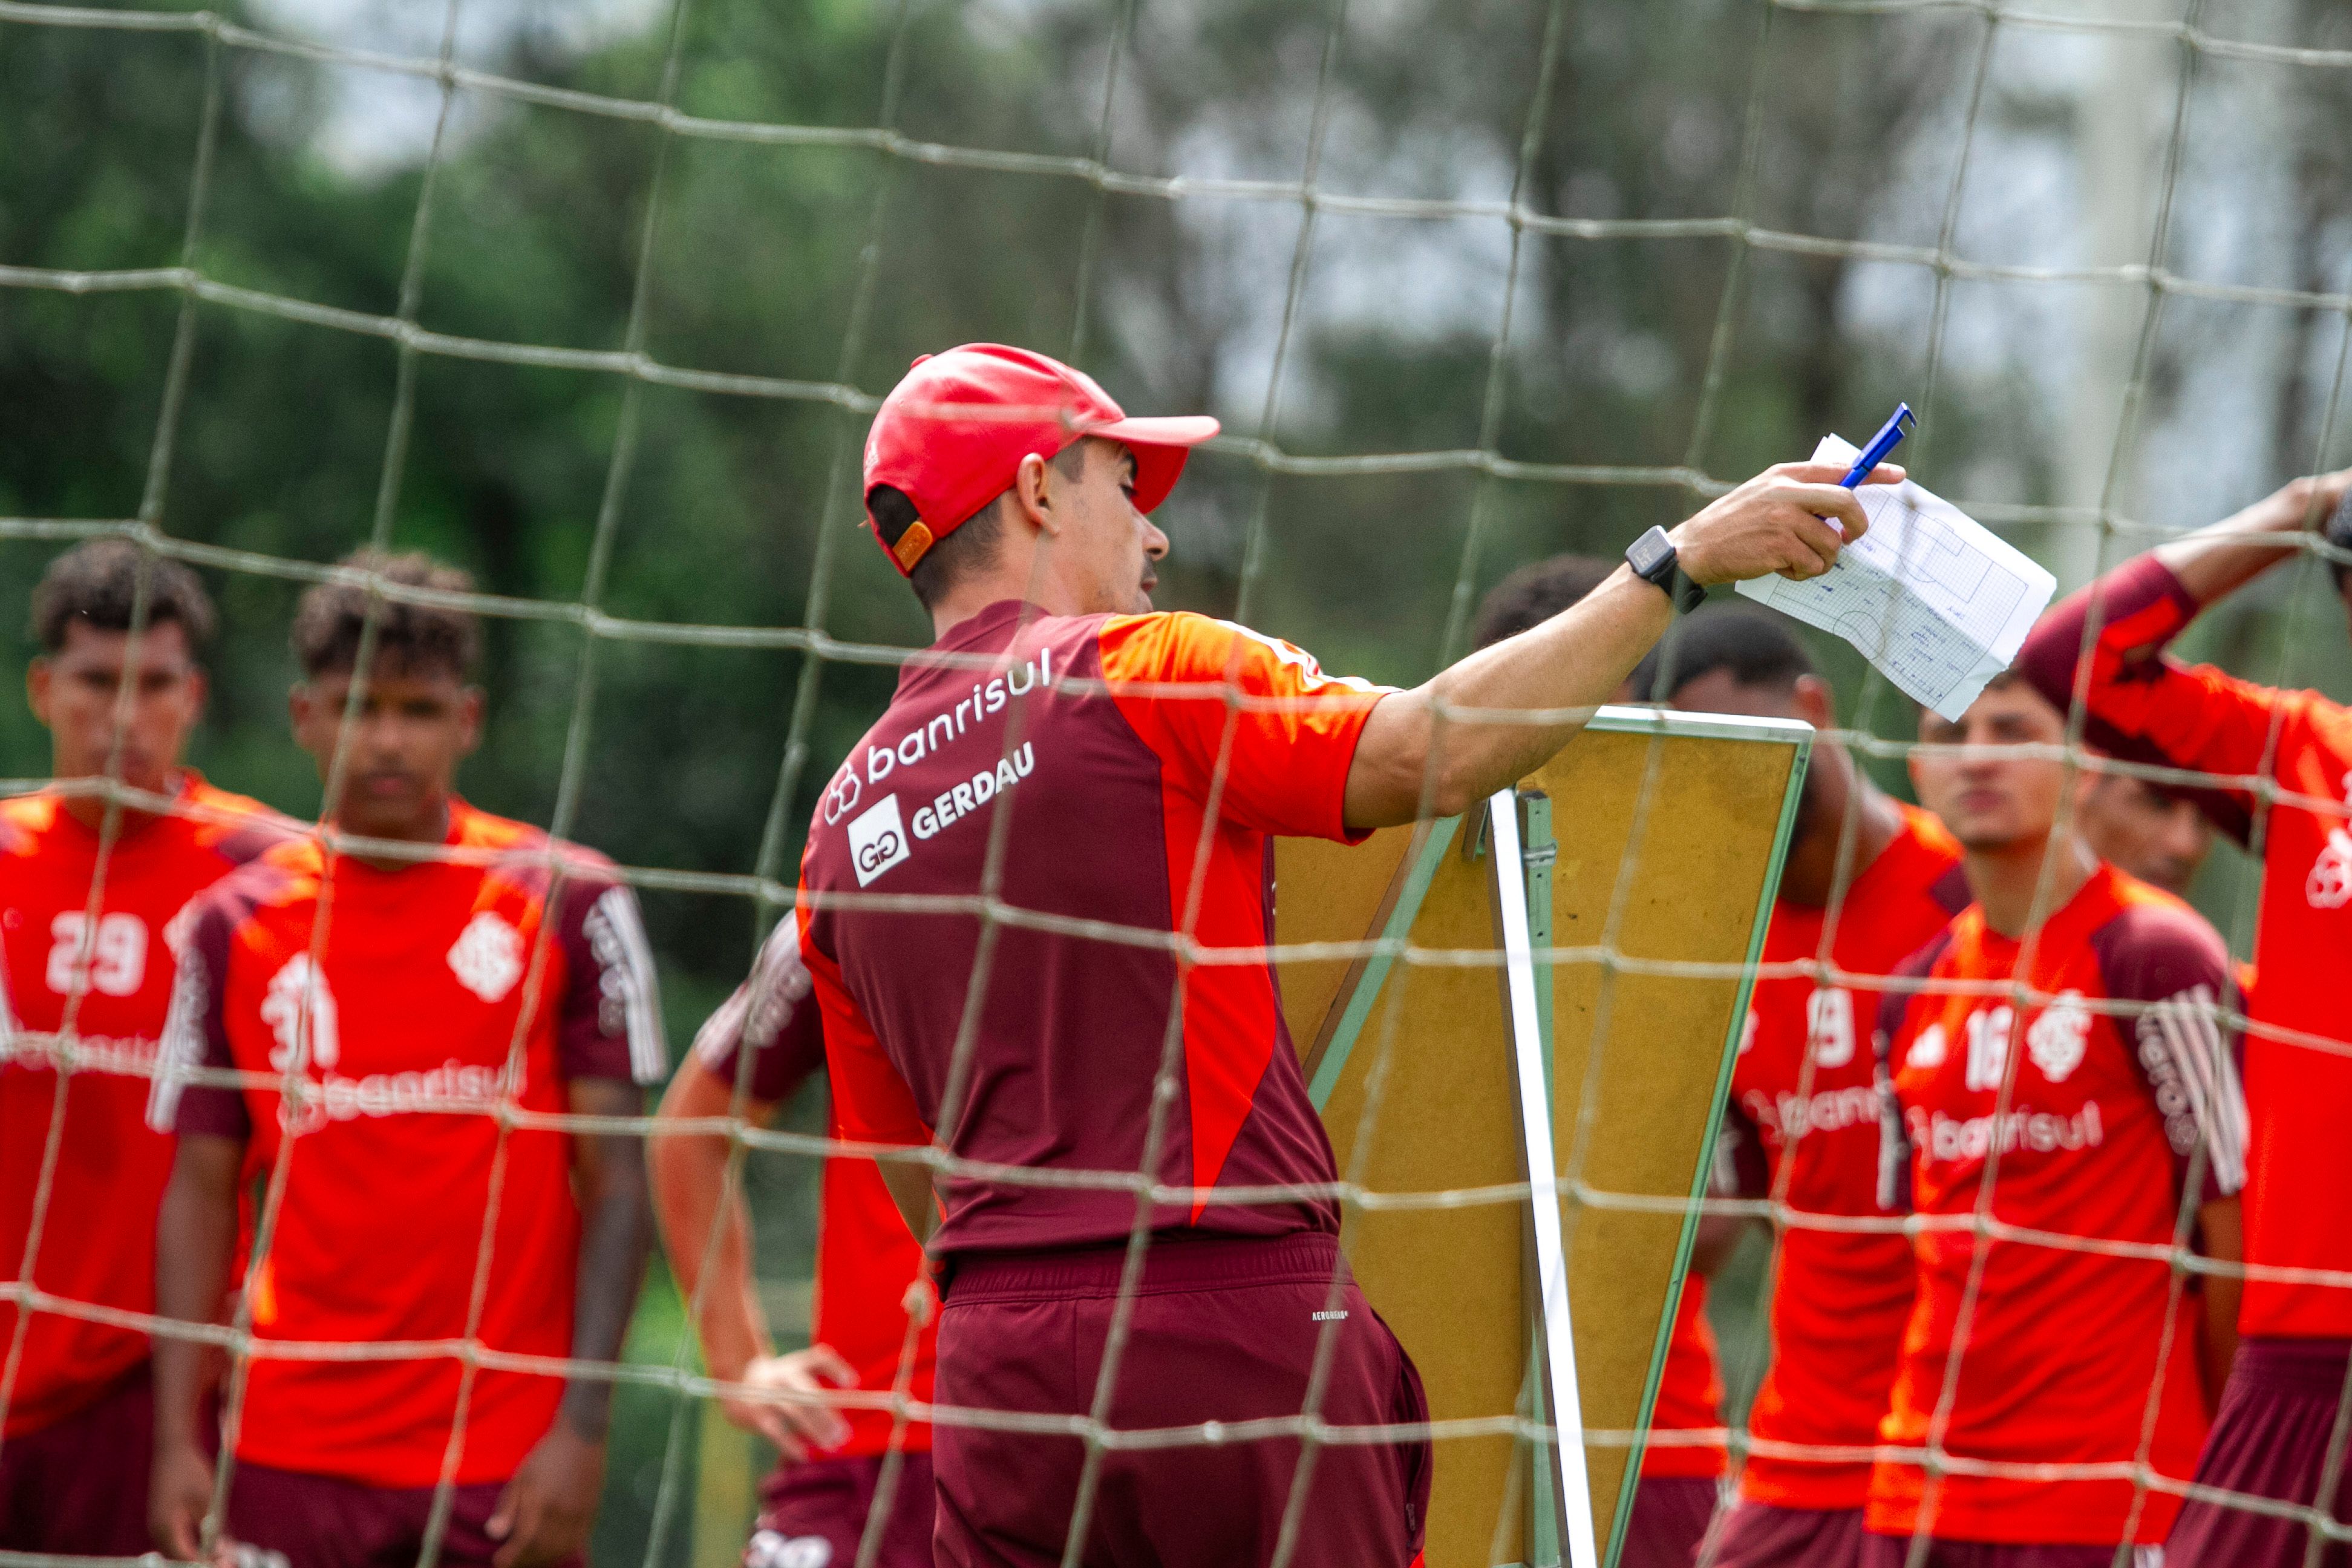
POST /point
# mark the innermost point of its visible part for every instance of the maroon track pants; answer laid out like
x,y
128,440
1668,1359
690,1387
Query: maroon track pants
x,y
2268,1440
1221,1331
291,1519
79,1484
814,1512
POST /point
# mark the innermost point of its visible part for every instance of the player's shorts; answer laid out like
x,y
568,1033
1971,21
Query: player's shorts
x,y
1895,1551
812,1514
1765,1535
285,1518
1222,1329
1670,1519
2269,1440
79,1484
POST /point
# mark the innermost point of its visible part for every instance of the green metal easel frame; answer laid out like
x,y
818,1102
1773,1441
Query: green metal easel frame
x,y
1561,1531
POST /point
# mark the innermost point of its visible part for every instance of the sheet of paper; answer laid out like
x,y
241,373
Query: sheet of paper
x,y
1929,594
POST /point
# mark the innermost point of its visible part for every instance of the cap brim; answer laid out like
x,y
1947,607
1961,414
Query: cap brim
x,y
1161,446
1175,430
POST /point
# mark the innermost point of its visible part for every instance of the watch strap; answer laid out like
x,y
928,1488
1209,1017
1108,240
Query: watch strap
x,y
1665,570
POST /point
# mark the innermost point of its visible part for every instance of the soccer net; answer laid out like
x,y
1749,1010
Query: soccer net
x,y
602,308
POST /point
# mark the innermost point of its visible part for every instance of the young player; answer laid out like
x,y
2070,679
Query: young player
x,y
1678,1483
384,1009
1802,1095
1070,755
2064,1073
2146,831
2272,1434
85,925
816,1505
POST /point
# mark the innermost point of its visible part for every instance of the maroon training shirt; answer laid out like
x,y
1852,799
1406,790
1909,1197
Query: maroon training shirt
x,y
1143,761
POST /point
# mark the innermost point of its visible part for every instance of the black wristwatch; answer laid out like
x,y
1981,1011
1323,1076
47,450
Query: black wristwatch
x,y
1653,559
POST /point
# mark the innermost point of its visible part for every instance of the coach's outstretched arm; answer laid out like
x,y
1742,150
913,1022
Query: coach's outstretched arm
x,y
1411,753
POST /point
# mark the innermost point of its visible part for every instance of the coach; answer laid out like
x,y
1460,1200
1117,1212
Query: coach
x,y
1074,757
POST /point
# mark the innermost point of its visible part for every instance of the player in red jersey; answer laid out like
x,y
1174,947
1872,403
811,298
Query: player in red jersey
x,y
1803,1097
1678,1482
87,902
2146,831
2063,1069
1128,767
386,1011
816,1506
2270,1437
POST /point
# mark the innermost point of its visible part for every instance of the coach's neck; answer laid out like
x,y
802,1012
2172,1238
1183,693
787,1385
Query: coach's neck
x,y
1023,568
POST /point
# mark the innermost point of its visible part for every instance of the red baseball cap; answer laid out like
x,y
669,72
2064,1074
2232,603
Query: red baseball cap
x,y
953,431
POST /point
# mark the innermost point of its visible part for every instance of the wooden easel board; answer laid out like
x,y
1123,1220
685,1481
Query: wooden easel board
x,y
1410,1059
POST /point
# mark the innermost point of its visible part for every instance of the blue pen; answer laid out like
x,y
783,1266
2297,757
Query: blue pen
x,y
1890,435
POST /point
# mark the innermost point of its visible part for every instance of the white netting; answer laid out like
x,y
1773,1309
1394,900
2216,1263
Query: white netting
x,y
1929,285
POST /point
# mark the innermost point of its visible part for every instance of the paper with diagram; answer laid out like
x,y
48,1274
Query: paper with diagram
x,y
1929,594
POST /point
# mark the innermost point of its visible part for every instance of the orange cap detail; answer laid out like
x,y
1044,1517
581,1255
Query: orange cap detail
x,y
912,546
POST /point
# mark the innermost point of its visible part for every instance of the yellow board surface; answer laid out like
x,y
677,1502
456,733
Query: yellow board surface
x,y
1425,1102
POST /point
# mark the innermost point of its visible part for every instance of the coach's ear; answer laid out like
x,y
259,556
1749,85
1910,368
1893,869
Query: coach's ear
x,y
1032,494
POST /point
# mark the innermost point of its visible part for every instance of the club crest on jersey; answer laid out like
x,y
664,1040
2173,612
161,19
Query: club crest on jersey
x,y
2059,1039
2329,884
1928,1049
298,1005
486,958
877,840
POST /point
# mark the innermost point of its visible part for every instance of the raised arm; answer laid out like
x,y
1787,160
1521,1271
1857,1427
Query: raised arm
x,y
2141,704
1411,752
2227,554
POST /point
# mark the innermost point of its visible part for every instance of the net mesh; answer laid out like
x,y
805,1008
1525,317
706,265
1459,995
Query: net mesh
x,y
2160,279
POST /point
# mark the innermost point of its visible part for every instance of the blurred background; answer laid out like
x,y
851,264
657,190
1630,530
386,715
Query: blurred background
x,y
2103,248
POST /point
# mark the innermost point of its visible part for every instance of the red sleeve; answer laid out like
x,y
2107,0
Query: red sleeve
x,y
2143,705
196,1036
2170,970
1223,706
610,1026
775,1015
871,1103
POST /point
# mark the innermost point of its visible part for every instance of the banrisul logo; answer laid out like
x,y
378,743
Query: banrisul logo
x,y
877,840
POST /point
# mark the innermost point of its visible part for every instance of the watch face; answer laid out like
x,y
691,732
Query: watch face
x,y
1649,552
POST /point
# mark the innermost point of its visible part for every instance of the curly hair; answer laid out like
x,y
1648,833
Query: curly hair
x,y
331,617
96,584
